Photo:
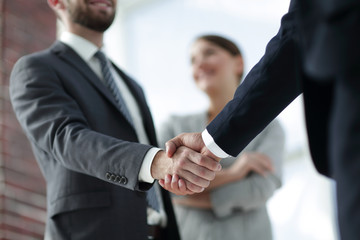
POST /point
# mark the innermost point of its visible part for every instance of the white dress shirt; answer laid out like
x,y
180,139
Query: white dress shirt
x,y
86,50
212,146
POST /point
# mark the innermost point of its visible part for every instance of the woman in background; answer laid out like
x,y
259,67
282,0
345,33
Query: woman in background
x,y
234,205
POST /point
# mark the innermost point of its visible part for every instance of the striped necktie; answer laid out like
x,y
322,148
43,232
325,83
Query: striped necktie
x,y
109,81
152,198
111,85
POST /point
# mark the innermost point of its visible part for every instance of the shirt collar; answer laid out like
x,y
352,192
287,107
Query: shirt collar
x,y
84,48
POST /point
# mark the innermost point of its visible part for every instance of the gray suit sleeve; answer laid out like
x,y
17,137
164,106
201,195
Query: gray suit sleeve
x,y
253,191
57,127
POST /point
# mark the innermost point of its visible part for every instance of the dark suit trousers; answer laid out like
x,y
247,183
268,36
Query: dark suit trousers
x,y
332,110
345,152
334,52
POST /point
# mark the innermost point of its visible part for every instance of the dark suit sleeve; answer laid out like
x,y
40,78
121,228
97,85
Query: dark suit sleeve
x,y
60,133
269,87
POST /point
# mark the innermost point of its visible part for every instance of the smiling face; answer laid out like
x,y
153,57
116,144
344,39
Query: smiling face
x,y
96,15
214,69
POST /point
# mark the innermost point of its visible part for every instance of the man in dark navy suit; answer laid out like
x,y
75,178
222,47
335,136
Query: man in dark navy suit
x,y
316,53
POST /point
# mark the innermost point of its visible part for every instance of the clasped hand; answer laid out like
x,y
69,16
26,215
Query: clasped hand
x,y
187,166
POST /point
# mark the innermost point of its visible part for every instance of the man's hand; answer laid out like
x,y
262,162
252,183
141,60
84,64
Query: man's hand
x,y
175,185
190,140
194,169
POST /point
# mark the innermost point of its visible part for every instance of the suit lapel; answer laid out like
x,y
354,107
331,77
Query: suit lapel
x,y
141,101
71,57
68,55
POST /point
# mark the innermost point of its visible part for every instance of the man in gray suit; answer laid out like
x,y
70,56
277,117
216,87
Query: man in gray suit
x,y
89,127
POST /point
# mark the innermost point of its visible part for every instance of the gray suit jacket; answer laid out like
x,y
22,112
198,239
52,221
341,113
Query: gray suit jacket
x,y
85,147
239,209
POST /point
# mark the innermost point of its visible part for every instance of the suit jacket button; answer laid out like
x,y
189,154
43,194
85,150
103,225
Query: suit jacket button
x,y
118,179
124,180
108,176
112,177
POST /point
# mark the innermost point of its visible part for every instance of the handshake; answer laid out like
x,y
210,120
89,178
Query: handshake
x,y
187,166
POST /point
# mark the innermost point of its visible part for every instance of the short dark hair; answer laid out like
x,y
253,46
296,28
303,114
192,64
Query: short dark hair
x,y
224,43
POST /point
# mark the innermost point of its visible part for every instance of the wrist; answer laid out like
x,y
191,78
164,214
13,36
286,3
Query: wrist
x,y
160,165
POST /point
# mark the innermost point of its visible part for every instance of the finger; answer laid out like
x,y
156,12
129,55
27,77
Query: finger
x,y
193,188
191,140
172,145
162,183
259,168
186,160
264,162
199,171
182,188
194,179
200,159
205,151
168,181
182,185
267,165
174,183
259,171
264,158
178,186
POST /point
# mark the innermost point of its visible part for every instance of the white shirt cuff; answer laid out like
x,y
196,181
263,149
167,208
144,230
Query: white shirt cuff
x,y
212,146
145,170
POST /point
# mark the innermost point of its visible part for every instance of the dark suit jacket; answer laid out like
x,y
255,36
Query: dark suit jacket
x,y
330,36
269,87
85,147
317,39
315,53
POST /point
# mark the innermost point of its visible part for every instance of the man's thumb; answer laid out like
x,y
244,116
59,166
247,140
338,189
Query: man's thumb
x,y
172,145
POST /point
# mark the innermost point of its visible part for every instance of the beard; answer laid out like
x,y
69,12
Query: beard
x,y
85,17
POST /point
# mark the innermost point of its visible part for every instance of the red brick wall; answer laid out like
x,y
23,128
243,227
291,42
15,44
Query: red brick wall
x,y
26,26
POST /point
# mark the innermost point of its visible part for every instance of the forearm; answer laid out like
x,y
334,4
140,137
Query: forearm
x,y
201,201
224,177
250,193
83,150
268,88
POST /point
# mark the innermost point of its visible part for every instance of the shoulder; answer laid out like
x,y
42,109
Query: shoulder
x,y
41,59
33,58
28,65
35,69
